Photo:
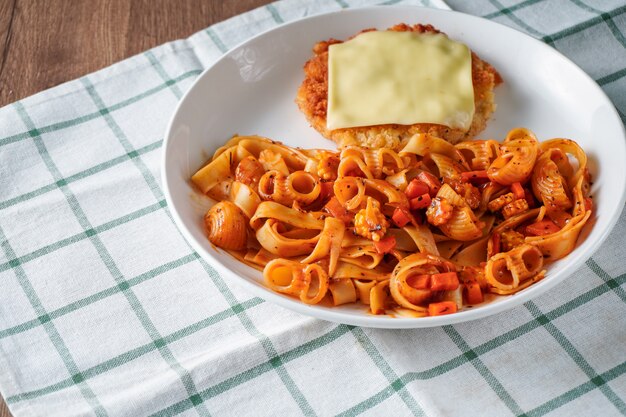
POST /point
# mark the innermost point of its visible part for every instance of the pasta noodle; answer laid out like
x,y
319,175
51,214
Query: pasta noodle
x,y
422,230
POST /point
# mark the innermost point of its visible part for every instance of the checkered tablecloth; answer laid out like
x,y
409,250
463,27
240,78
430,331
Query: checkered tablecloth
x,y
105,309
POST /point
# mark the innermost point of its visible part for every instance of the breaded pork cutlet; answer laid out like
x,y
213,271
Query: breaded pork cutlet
x,y
312,99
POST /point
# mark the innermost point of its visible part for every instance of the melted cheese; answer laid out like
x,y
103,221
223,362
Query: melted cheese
x,y
387,77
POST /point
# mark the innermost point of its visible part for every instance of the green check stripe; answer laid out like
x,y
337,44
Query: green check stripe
x,y
258,370
508,10
82,174
90,116
12,262
161,71
388,372
107,259
577,392
100,295
601,273
275,14
410,376
614,29
621,115
266,343
243,317
607,19
509,13
150,180
134,302
342,4
607,79
52,331
131,355
584,25
551,39
245,320
576,356
121,137
486,347
216,40
487,375
586,7
407,378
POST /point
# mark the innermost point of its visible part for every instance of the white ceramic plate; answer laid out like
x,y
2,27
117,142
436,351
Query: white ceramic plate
x,y
251,90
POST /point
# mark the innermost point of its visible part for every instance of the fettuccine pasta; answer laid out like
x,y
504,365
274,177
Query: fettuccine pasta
x,y
420,231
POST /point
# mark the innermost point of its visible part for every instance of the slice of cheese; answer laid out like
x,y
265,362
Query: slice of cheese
x,y
386,77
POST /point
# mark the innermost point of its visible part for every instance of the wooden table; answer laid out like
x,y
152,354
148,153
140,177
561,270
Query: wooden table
x,y
45,43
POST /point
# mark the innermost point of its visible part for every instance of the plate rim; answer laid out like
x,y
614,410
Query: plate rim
x,y
368,320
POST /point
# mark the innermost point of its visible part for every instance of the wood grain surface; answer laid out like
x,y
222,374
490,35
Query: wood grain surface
x,y
45,43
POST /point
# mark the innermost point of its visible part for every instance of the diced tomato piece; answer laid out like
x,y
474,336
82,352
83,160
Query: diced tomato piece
x,y
429,179
518,191
530,199
419,282
495,244
416,188
326,189
338,211
441,308
542,228
446,281
385,245
400,217
588,204
474,176
420,202
473,293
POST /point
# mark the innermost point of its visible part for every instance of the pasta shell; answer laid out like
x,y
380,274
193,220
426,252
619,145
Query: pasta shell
x,y
353,164
515,163
561,243
451,196
416,264
301,186
249,171
390,161
226,226
462,226
350,191
480,153
549,185
372,162
447,167
307,282
506,271
385,193
571,148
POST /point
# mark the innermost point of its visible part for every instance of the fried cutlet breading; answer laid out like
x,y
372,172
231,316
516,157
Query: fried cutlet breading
x,y
312,99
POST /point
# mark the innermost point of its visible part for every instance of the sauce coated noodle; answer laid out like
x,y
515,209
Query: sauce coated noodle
x,y
424,230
